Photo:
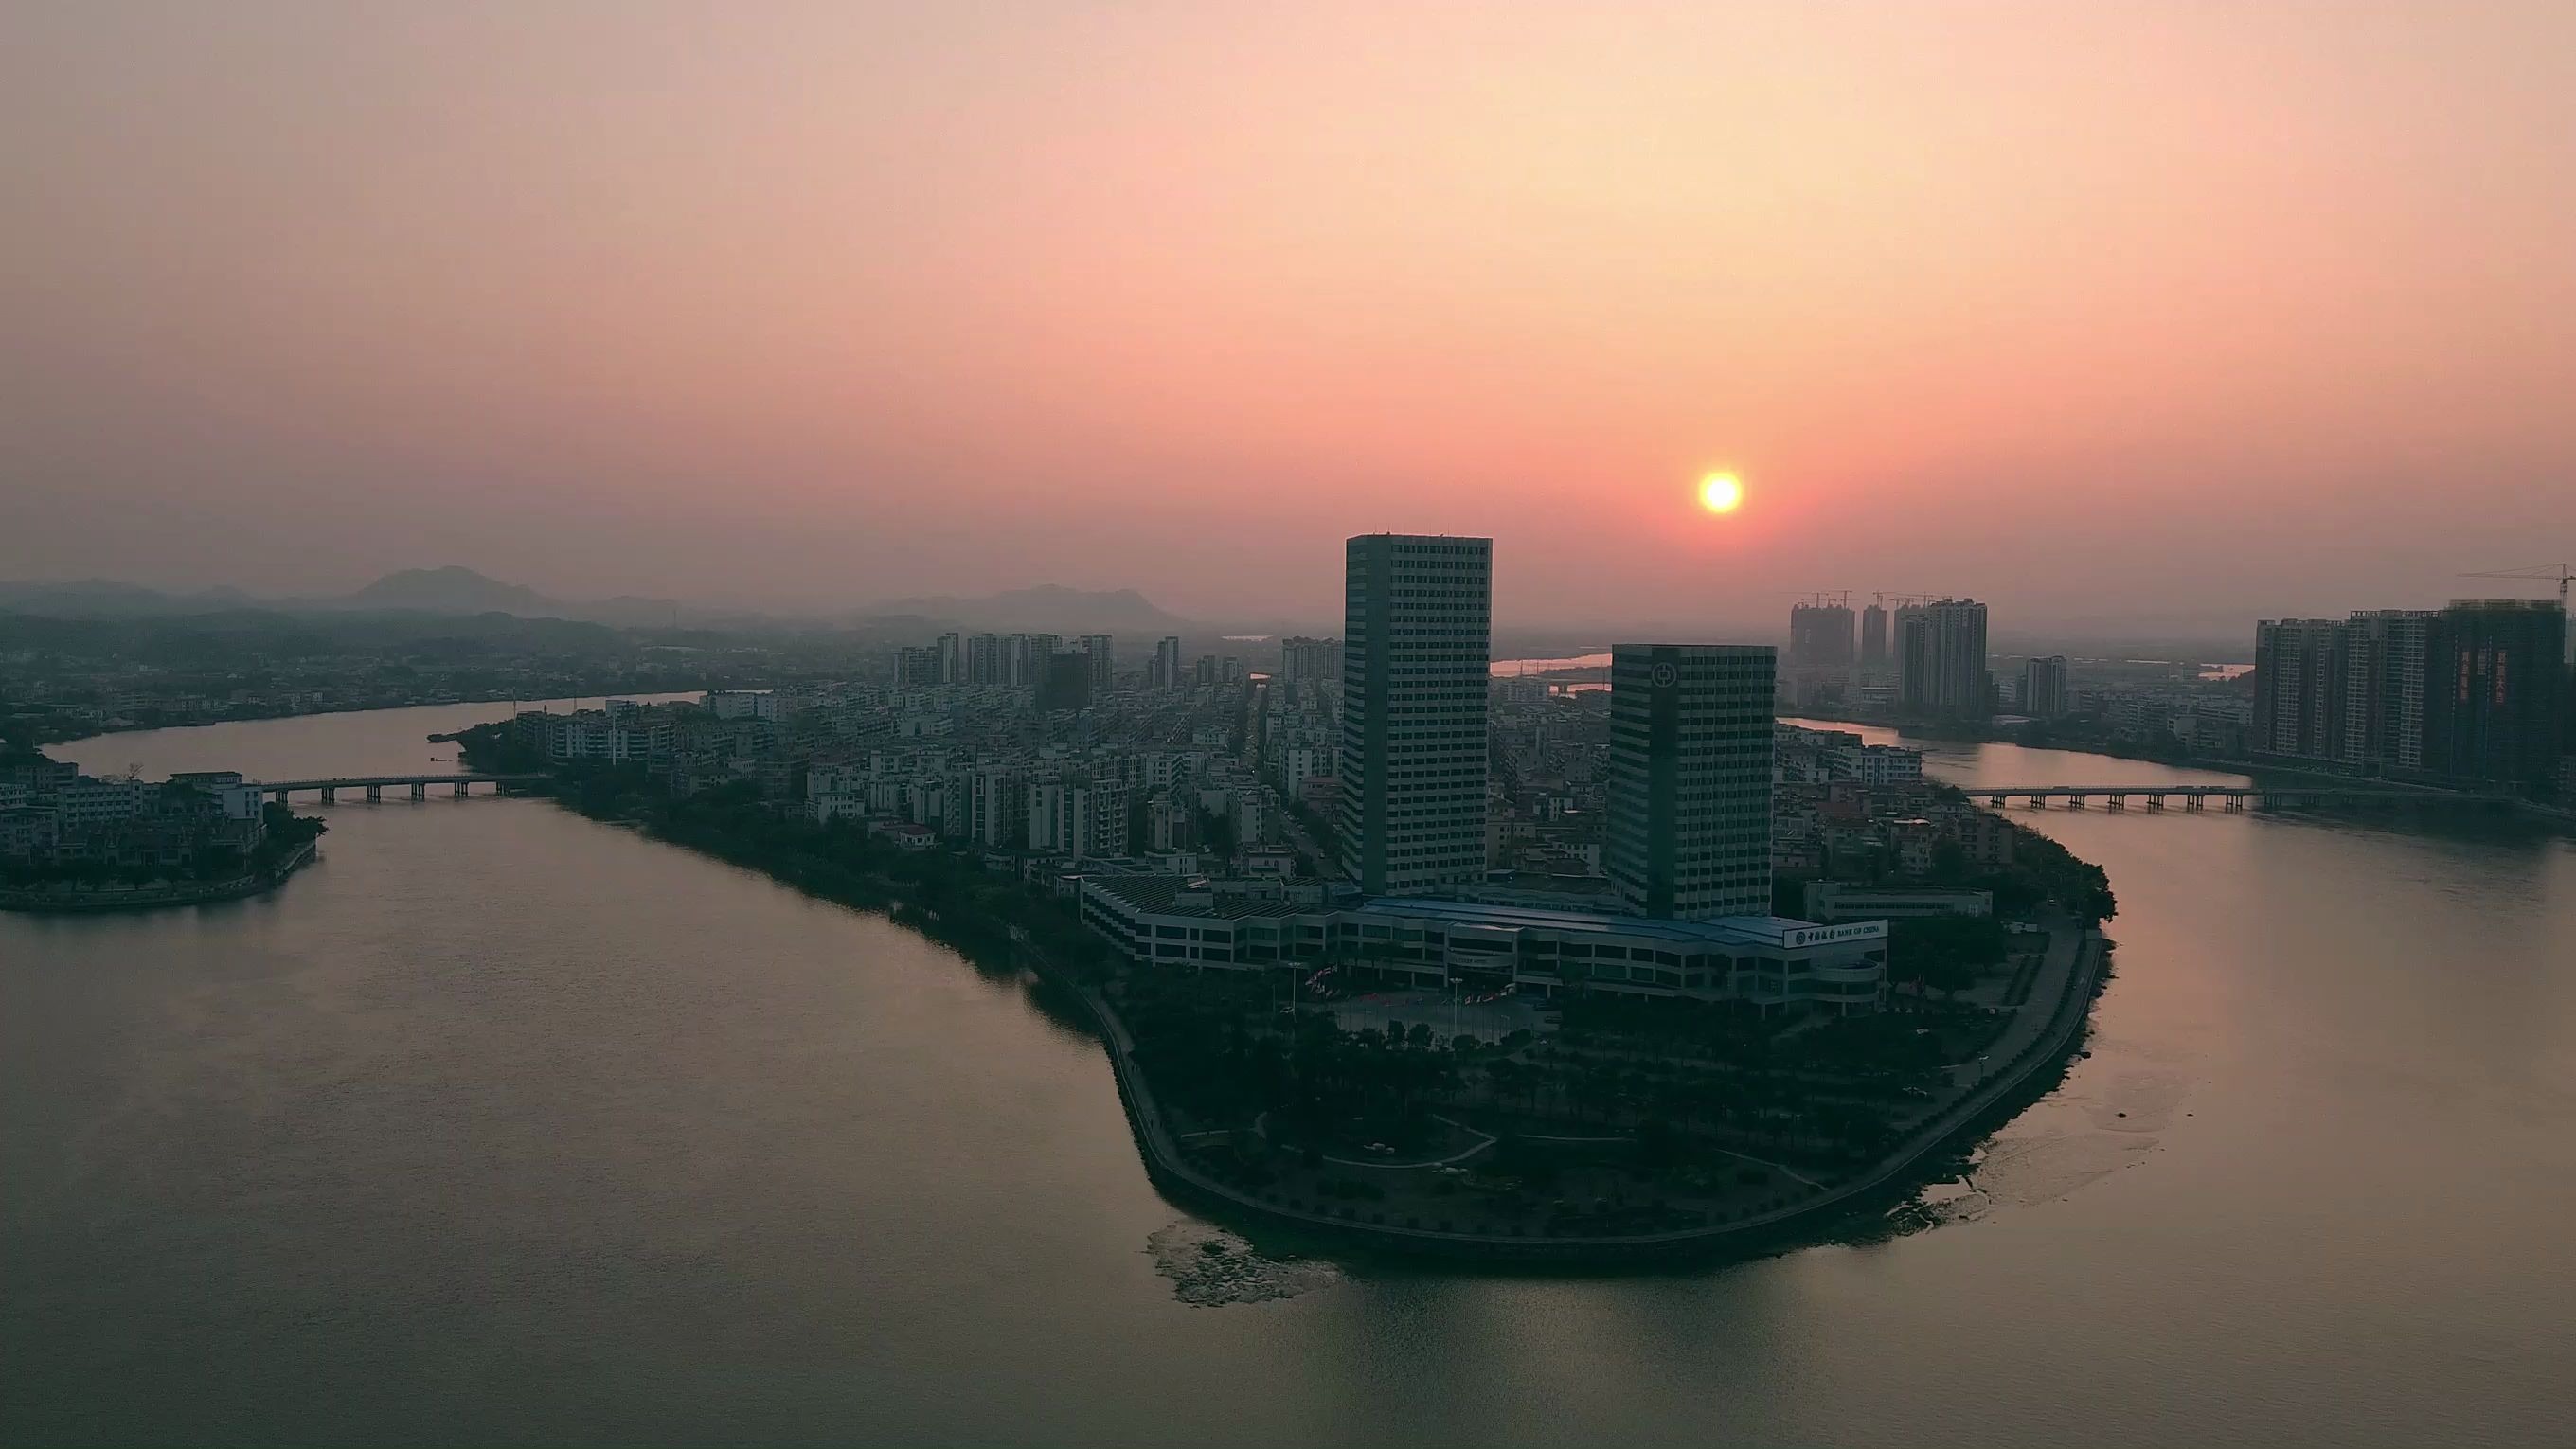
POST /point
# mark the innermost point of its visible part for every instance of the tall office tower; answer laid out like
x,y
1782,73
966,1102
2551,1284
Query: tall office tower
x,y
1417,620
1104,670
1203,669
2298,687
986,661
1941,660
1689,830
952,658
1303,661
2495,691
1820,636
1873,637
2043,687
1166,671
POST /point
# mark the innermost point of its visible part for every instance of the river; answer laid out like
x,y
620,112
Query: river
x,y
502,1125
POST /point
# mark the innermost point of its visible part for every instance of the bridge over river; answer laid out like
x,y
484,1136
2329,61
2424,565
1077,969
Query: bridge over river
x,y
458,784
2230,797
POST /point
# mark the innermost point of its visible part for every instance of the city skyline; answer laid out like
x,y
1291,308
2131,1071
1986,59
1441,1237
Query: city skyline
x,y
826,309
679,762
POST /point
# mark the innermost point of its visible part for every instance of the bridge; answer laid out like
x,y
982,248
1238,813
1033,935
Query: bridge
x,y
374,785
2235,798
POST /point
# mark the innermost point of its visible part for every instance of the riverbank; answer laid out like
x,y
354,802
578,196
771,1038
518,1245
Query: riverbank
x,y
2029,1074
887,1166
996,918
67,898
70,732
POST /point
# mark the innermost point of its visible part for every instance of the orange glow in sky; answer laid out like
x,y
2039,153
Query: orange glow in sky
x,y
829,302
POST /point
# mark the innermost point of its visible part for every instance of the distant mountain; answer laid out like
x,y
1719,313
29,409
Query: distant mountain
x,y
453,590
1050,607
449,590
107,599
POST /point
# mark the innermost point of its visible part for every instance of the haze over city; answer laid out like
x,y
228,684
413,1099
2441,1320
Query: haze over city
x,y
2085,309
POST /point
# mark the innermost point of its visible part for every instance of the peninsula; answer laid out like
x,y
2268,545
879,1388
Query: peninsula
x,y
1339,1095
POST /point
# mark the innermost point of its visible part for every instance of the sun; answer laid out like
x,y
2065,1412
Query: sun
x,y
1720,492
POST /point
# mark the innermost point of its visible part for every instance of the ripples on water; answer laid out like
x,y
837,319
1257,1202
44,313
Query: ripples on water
x,y
500,1126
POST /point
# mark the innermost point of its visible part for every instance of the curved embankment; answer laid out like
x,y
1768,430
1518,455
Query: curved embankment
x,y
147,898
1172,1172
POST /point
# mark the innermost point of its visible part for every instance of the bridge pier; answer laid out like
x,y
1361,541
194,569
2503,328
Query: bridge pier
x,y
279,796
2234,802
375,794
2156,802
419,791
2076,801
460,789
2038,802
330,795
2116,802
2195,803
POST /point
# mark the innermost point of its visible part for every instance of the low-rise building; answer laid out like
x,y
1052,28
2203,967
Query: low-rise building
x,y
1765,961
1841,900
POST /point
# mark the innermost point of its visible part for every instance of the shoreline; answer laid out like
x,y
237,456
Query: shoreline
x,y
1890,1178
42,745
2029,1074
109,900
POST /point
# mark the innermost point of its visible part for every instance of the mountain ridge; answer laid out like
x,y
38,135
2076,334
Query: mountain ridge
x,y
455,590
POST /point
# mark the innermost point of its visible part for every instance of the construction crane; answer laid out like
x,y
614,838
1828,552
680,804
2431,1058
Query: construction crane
x,y
1826,599
2542,574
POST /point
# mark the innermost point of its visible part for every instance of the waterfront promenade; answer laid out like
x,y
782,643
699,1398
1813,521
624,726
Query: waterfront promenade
x,y
2040,1039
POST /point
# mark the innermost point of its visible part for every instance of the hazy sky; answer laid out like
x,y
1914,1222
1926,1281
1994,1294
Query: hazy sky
x,y
2096,310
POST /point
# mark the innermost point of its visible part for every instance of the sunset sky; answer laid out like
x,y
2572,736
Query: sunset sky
x,y
2103,312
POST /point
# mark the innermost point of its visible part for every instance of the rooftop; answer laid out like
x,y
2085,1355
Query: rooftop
x,y
1727,931
1160,894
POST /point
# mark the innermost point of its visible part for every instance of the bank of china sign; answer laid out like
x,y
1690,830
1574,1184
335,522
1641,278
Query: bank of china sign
x,y
1827,935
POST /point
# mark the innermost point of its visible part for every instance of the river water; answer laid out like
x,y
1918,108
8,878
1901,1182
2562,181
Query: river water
x,y
501,1125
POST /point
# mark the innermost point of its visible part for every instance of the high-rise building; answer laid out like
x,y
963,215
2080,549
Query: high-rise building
x,y
916,666
1416,649
1029,658
1076,817
1873,637
1203,669
1302,660
1941,660
1067,681
1820,636
1166,670
1104,670
1689,829
2298,687
987,662
2349,693
2495,691
2381,658
2043,686
952,658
